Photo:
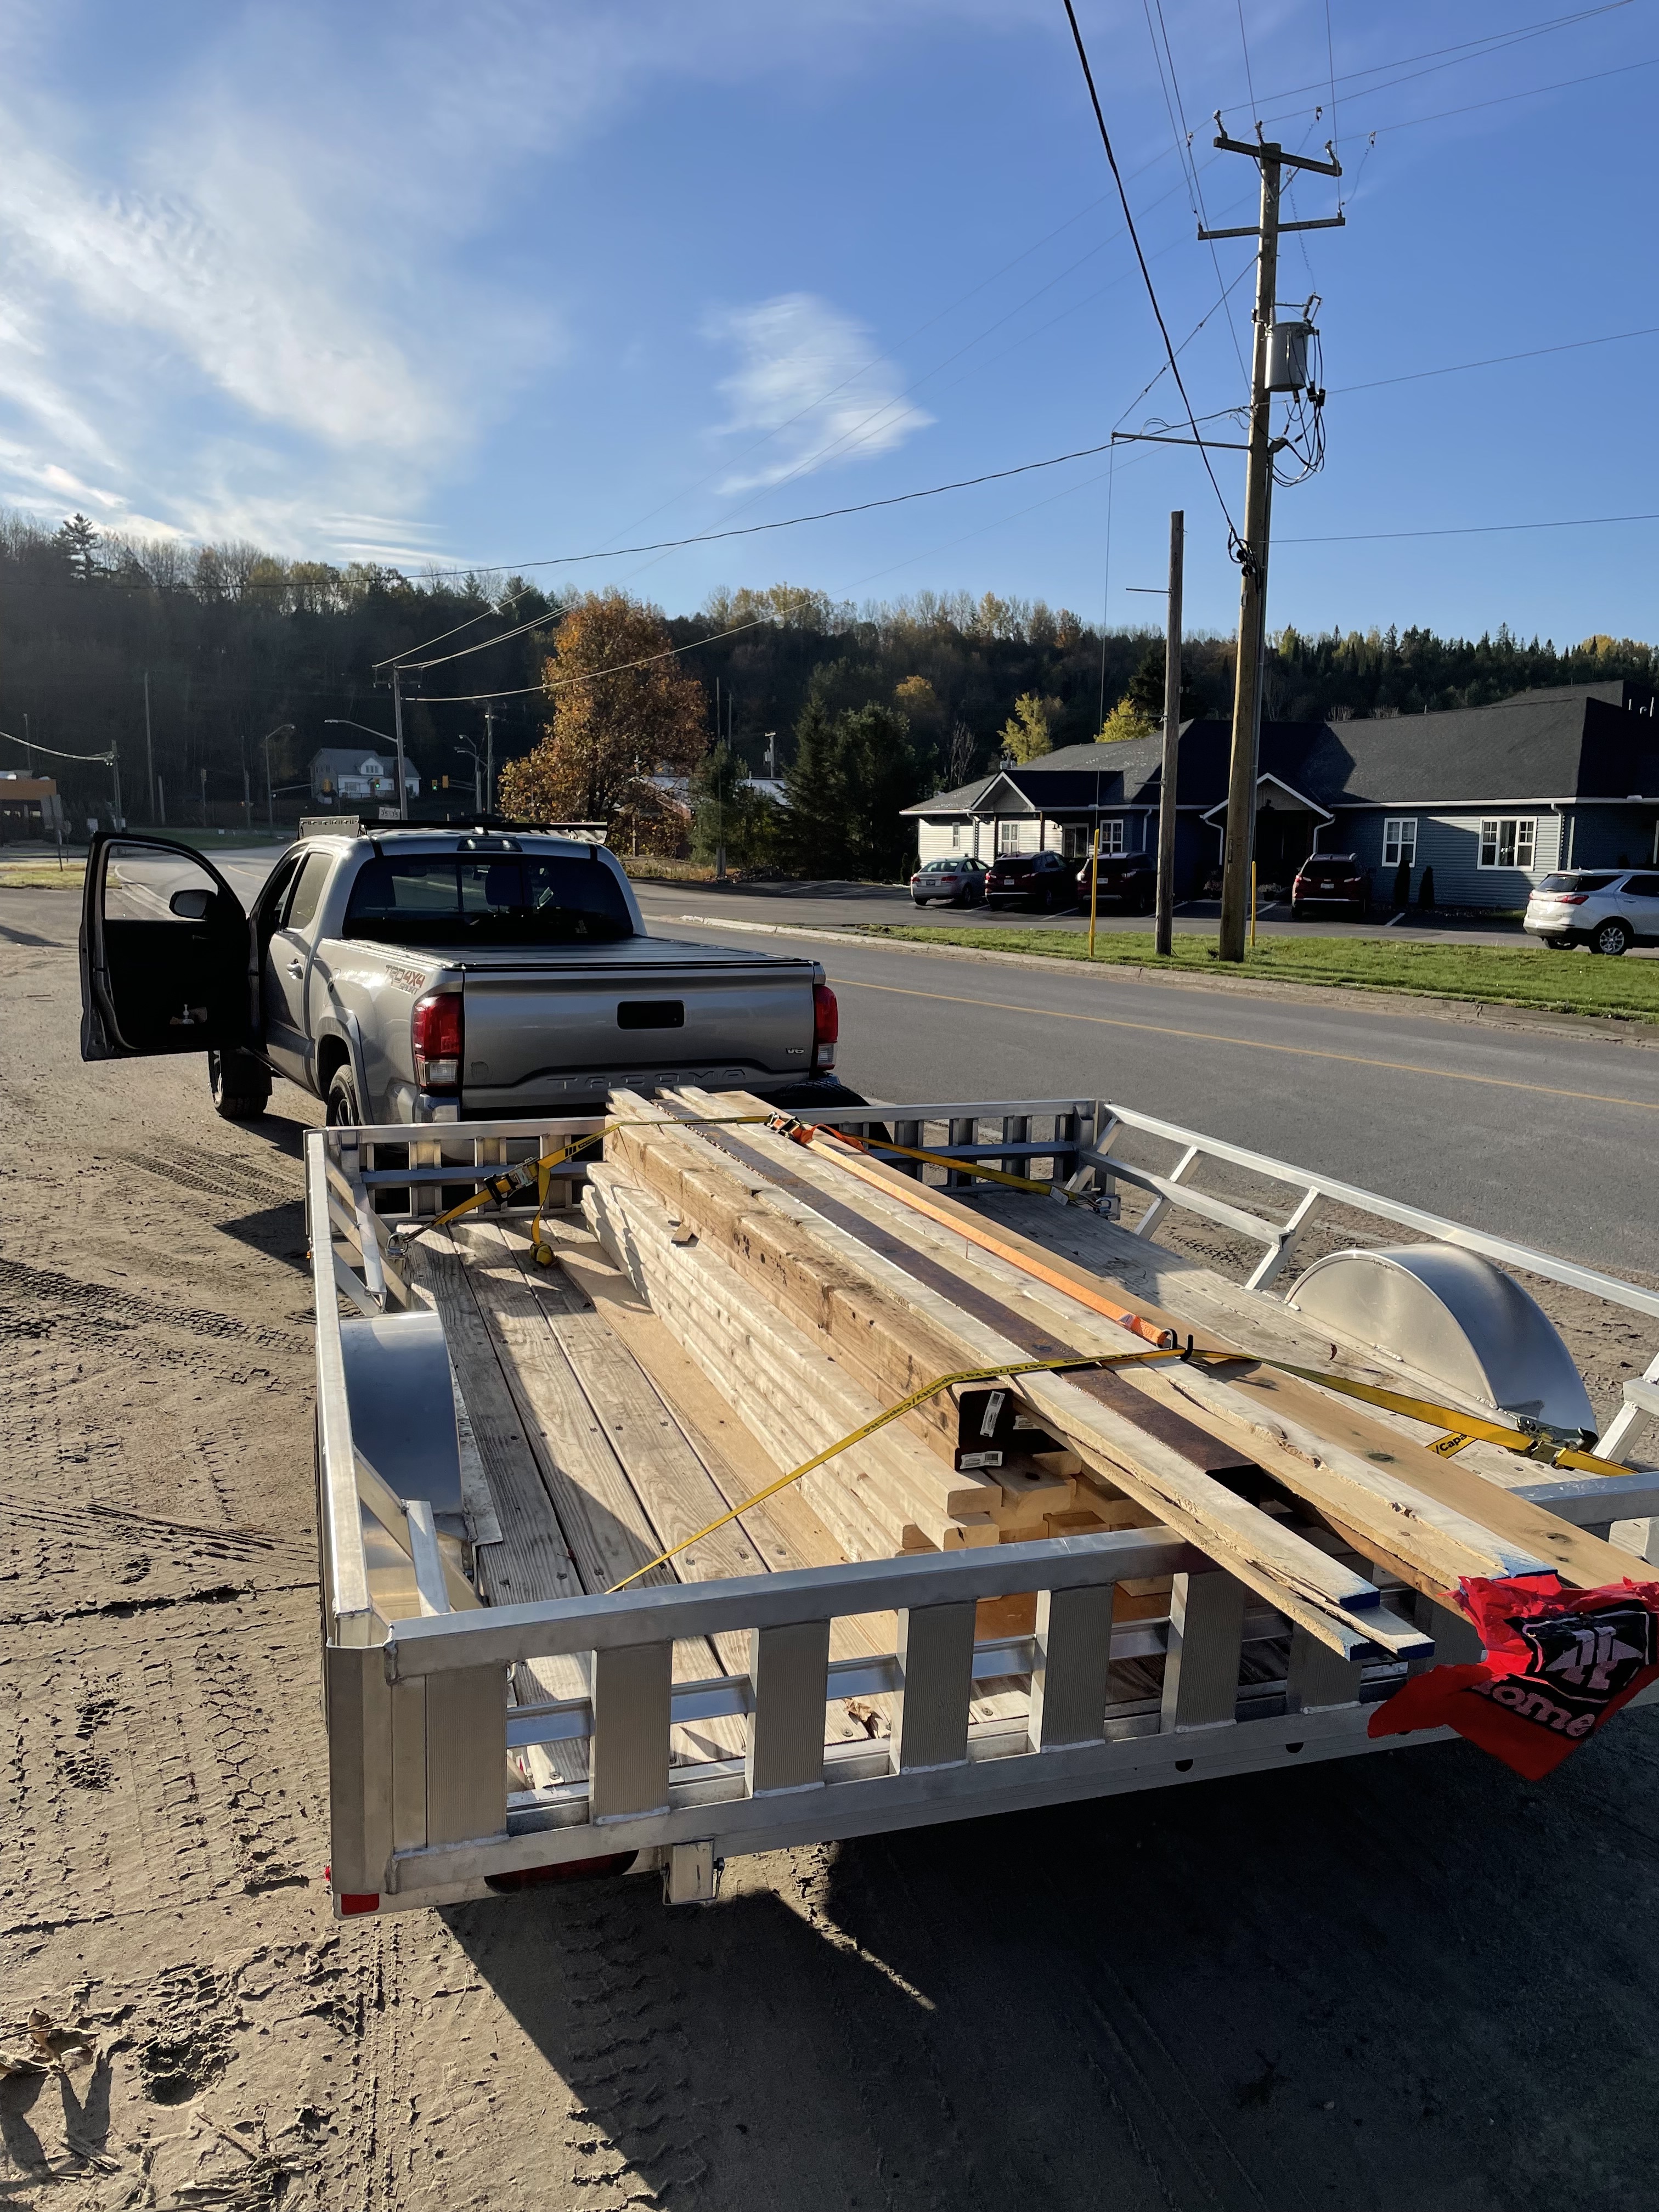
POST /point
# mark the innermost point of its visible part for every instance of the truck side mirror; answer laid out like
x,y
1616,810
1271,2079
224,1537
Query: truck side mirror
x,y
191,906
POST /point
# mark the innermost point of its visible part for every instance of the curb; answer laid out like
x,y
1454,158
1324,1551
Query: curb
x,y
1604,1029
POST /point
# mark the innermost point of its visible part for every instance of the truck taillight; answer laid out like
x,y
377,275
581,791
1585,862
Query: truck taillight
x,y
436,1030
826,1028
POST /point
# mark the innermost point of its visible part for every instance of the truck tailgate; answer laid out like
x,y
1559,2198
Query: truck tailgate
x,y
548,1027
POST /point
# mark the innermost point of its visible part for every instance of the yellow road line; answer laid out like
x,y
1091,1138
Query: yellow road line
x,y
1252,1044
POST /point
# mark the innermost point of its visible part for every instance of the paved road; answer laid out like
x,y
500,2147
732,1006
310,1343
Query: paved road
x,y
1524,1135
839,905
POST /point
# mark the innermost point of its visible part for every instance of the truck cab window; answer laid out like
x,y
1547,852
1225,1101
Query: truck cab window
x,y
435,899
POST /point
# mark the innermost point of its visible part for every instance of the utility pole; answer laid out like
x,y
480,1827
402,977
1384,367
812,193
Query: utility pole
x,y
1252,552
150,753
398,731
489,760
1163,932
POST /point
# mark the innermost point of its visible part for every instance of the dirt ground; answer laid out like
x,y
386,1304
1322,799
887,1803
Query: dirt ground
x,y
1393,1984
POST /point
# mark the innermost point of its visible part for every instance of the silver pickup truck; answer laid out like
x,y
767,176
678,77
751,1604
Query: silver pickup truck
x,y
433,974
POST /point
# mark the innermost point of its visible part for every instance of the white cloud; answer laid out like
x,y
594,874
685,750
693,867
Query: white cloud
x,y
245,293
810,387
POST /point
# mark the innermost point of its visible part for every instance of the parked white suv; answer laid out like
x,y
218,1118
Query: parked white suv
x,y
1609,910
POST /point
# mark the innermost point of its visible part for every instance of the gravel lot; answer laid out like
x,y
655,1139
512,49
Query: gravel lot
x,y
1394,1985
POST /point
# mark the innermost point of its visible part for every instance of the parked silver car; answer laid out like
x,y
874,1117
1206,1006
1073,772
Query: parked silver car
x,y
959,880
1609,910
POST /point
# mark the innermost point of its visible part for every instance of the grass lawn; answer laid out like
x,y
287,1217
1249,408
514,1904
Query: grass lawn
x,y
41,875
1561,983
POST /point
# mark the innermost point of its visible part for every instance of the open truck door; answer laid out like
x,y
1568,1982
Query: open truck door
x,y
164,953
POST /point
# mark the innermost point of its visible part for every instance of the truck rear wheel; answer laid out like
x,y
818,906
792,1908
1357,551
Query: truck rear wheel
x,y
345,1110
241,1085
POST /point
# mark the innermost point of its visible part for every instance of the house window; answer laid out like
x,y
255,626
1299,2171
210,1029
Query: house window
x,y
1076,841
1399,841
1112,839
1508,843
1007,837
956,836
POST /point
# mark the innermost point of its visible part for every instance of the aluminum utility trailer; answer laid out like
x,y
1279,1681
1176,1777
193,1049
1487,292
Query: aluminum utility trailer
x,y
423,1711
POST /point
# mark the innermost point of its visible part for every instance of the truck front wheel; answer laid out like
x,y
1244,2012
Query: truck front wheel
x,y
241,1085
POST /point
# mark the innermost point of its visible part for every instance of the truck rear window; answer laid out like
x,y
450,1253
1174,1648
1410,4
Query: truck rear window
x,y
431,899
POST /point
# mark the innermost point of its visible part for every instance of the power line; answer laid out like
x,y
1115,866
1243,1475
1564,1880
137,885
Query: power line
x,y
1244,46
1467,530
1496,360
593,675
1503,99
33,745
1465,49
1147,274
1184,151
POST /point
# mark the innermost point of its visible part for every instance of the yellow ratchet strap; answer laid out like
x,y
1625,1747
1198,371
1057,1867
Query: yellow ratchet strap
x,y
497,1189
1075,1363
1535,1442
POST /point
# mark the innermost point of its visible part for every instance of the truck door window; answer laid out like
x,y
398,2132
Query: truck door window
x,y
307,890
271,897
433,899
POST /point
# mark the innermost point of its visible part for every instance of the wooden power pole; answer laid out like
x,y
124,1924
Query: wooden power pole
x,y
1164,936
1252,552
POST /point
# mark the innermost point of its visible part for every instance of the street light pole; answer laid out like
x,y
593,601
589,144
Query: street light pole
x,y
281,729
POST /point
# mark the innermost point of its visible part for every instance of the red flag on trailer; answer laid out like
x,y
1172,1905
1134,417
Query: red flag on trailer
x,y
1560,1663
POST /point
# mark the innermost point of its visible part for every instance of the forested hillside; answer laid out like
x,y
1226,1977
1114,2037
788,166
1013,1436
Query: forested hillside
x,y
238,643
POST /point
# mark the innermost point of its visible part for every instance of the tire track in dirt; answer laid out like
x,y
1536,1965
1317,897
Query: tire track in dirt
x,y
98,1307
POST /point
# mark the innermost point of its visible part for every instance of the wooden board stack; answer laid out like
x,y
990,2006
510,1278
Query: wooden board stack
x,y
812,1295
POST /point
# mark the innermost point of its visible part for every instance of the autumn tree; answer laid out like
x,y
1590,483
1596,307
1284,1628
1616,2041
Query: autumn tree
x,y
622,713
1124,720
1026,735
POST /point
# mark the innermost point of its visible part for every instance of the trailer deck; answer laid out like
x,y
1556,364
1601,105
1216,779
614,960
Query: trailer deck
x,y
495,1717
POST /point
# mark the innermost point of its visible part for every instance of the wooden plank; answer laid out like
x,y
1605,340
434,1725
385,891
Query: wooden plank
x,y
1430,1523
898,1480
1581,1559
915,1334
603,1520
785,1531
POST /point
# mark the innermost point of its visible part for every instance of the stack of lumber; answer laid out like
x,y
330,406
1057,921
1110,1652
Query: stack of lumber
x,y
812,1292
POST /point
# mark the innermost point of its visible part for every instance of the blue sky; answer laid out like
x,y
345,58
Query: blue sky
x,y
482,283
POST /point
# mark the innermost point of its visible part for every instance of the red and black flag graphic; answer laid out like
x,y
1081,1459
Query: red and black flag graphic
x,y
1560,1663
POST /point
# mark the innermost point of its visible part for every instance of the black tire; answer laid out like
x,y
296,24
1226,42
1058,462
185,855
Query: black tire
x,y
344,1107
241,1085
1297,913
1612,938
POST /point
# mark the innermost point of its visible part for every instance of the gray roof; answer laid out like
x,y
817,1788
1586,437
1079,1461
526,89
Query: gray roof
x,y
1583,741
348,760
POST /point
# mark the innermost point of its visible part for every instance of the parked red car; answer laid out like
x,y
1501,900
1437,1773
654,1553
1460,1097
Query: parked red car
x,y
1129,883
1332,879
1042,879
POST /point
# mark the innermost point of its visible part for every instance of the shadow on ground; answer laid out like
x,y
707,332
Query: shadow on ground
x,y
1404,1983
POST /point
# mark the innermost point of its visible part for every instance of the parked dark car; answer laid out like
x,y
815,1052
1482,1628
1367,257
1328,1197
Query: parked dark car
x,y
1332,879
1129,883
1042,879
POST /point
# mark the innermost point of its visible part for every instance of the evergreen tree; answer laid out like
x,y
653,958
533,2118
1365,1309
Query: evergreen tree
x,y
881,773
817,832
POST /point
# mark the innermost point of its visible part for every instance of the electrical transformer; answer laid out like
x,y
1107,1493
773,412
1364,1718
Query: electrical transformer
x,y
1287,356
